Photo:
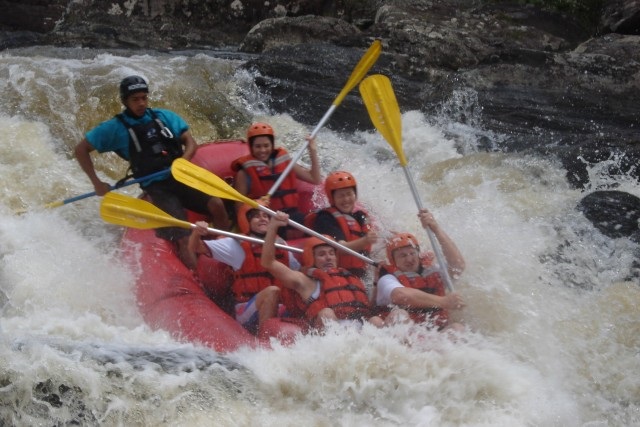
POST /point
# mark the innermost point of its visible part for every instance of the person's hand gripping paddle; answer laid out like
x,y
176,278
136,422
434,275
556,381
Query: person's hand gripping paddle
x,y
358,73
384,112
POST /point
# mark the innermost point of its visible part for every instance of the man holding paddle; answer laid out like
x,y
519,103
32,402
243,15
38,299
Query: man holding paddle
x,y
345,221
327,292
151,140
256,294
411,285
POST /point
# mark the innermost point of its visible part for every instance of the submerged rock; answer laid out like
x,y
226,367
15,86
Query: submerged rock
x,y
614,213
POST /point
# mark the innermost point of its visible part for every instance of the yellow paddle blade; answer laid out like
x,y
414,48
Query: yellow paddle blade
x,y
384,112
54,204
207,182
135,213
364,65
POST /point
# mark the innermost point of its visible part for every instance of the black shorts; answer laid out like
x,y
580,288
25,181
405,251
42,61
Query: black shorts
x,y
173,197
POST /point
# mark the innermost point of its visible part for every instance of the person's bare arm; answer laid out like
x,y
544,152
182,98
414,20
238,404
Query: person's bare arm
x,y
313,175
190,145
452,254
415,298
195,246
289,278
362,242
83,155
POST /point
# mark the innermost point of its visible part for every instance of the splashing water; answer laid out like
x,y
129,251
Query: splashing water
x,y
553,331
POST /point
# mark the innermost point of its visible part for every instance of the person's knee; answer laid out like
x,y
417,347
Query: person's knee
x,y
218,211
216,205
455,326
270,293
327,314
398,315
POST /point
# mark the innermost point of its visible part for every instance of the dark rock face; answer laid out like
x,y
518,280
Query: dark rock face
x,y
275,32
614,213
540,81
39,16
621,16
150,24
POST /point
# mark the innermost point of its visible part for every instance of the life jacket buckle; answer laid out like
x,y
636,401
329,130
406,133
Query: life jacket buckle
x,y
166,132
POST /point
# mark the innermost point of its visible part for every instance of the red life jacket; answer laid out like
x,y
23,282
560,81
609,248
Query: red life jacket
x,y
428,280
251,278
341,291
352,230
262,176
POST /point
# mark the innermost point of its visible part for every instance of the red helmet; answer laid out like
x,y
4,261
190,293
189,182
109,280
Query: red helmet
x,y
400,240
242,217
259,129
337,180
309,246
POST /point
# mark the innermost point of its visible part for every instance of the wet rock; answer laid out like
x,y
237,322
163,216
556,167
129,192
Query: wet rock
x,y
539,81
38,16
614,213
621,16
287,31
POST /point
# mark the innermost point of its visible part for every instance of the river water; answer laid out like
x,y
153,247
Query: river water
x,y
553,332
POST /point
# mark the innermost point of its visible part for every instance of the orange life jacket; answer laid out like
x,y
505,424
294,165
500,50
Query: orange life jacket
x,y
263,175
341,291
428,280
352,230
251,278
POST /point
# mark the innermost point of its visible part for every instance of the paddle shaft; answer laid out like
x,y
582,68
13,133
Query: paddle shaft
x,y
362,67
250,239
322,237
384,111
299,153
111,187
161,219
208,182
444,270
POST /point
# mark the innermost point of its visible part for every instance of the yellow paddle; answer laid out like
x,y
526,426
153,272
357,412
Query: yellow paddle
x,y
207,182
383,109
366,62
136,213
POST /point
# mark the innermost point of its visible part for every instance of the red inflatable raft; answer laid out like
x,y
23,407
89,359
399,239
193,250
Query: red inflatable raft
x,y
192,307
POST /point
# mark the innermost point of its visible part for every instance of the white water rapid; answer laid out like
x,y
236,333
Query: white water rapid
x,y
553,327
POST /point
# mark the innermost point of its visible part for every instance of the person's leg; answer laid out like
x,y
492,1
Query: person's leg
x,y
398,315
246,313
166,200
267,301
326,314
197,201
219,215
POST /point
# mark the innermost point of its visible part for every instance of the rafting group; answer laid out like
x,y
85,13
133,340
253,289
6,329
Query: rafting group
x,y
247,223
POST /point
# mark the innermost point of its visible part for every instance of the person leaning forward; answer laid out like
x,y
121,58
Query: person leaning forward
x,y
257,295
150,139
327,292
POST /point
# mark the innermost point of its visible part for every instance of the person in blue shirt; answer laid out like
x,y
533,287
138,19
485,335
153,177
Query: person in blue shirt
x,y
150,140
